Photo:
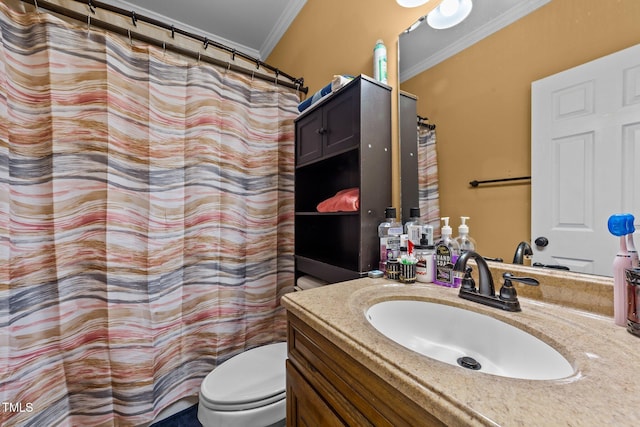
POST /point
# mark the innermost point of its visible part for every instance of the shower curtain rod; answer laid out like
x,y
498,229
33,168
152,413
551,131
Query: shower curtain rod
x,y
293,83
422,120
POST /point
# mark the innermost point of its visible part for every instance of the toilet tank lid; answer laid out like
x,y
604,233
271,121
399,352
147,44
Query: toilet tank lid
x,y
250,376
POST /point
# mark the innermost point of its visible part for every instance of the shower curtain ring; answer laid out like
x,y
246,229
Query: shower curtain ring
x,y
88,22
130,38
35,3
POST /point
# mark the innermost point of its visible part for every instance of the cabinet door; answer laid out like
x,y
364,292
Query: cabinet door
x,y
342,122
305,407
309,133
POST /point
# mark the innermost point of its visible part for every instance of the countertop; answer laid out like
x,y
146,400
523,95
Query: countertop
x,y
604,390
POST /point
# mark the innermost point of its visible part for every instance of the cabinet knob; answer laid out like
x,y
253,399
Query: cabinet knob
x,y
321,131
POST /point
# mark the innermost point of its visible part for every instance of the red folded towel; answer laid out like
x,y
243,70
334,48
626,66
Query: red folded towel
x,y
344,201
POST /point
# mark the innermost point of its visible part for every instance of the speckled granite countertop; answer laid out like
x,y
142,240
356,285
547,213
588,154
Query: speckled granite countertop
x,y
604,391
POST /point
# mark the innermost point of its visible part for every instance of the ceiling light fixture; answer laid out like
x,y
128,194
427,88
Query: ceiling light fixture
x,y
449,13
412,3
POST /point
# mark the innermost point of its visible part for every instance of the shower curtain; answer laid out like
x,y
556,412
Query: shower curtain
x,y
146,222
428,194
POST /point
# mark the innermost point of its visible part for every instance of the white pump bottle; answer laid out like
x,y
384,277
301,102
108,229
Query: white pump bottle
x,y
464,241
447,252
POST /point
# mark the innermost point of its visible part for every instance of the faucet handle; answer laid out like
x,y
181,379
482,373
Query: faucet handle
x,y
468,283
508,292
526,280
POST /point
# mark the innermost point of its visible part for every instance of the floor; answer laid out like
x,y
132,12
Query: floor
x,y
185,418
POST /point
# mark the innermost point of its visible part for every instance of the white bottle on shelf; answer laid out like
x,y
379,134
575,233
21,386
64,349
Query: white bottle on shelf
x,y
380,62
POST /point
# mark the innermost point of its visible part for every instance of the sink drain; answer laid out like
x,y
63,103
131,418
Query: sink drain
x,y
469,363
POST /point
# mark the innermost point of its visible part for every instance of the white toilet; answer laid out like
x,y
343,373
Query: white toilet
x,y
247,390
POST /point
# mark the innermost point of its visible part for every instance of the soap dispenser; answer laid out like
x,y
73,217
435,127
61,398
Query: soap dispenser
x,y
447,252
464,241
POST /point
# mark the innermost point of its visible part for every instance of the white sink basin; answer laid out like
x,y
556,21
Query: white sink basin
x,y
464,338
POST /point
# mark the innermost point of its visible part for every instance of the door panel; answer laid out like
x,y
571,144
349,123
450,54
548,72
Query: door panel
x,y
585,154
342,123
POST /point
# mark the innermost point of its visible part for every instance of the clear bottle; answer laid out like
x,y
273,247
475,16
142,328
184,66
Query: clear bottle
x,y
427,233
389,232
464,241
413,227
446,255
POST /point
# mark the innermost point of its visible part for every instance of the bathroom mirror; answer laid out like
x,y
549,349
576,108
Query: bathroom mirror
x,y
473,81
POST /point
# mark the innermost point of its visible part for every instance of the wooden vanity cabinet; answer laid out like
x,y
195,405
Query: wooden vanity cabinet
x,y
328,387
343,141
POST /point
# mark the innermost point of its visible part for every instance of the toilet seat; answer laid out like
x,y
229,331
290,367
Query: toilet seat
x,y
252,379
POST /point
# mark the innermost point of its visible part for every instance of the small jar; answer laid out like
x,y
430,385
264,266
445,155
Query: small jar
x,y
393,269
425,267
408,272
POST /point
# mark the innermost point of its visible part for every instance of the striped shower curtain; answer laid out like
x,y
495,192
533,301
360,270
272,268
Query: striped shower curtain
x,y
146,222
428,193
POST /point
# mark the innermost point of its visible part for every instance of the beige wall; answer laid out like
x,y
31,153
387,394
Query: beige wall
x,y
479,99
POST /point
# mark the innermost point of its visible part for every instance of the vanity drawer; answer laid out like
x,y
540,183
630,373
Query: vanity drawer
x,y
349,388
305,407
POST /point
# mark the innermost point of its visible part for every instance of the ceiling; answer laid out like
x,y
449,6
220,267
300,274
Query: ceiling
x,y
250,26
256,26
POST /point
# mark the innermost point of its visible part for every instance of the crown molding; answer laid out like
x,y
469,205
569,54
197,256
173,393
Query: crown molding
x,y
288,15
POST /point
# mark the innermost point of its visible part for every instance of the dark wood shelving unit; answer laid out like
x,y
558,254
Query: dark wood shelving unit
x,y
343,141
